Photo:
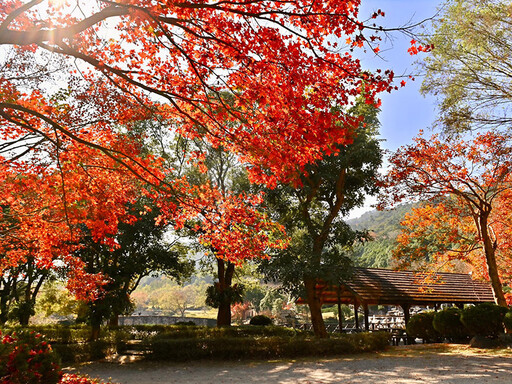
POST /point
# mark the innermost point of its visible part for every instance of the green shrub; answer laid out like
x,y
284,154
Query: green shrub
x,y
447,323
241,331
226,348
261,320
420,325
111,341
186,323
25,357
72,353
484,319
151,327
507,320
71,343
143,332
61,334
78,353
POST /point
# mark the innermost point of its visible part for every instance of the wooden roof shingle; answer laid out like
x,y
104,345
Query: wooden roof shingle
x,y
384,286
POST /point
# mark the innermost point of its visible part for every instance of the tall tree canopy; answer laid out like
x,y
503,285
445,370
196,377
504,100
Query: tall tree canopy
x,y
237,220
76,74
312,215
141,251
468,183
171,59
470,69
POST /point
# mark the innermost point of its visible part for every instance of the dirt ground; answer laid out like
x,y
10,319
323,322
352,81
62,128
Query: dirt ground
x,y
450,364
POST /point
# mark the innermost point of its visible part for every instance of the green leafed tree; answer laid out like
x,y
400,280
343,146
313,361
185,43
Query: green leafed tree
x,y
55,300
470,67
312,214
231,210
141,251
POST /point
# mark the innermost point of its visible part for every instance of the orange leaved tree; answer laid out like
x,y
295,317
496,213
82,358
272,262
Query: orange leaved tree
x,y
76,75
125,60
467,183
441,234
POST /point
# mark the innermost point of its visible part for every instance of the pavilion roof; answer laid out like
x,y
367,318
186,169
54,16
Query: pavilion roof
x,y
387,287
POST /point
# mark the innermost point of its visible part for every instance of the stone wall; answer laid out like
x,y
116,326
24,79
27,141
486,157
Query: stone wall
x,y
163,320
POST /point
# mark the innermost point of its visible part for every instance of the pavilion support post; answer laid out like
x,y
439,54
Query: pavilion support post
x,y
356,315
340,315
407,316
366,315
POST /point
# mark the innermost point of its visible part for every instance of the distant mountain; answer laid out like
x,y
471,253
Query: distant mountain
x,y
384,227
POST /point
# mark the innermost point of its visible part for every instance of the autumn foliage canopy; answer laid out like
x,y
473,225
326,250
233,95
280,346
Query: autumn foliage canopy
x,y
465,190
258,78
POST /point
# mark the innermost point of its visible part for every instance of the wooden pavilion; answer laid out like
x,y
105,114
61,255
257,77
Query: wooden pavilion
x,y
375,286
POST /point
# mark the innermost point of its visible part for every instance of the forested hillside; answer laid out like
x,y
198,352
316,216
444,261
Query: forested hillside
x,y
384,226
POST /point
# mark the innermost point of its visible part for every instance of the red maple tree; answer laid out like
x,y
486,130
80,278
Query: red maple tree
x,y
76,75
468,186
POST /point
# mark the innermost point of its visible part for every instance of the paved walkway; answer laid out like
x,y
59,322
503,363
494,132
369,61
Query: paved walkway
x,y
407,365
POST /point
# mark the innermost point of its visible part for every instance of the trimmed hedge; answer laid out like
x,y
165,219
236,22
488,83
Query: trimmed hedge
x,y
484,319
447,323
82,352
260,320
184,343
235,348
239,332
71,343
420,325
507,321
61,334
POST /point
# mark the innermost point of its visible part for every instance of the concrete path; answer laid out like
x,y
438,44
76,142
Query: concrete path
x,y
407,365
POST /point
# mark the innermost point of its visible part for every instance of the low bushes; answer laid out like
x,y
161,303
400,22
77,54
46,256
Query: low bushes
x,y
175,332
447,323
260,320
82,352
183,343
420,325
26,357
71,342
263,347
61,334
484,319
507,321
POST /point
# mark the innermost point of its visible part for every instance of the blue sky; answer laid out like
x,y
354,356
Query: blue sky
x,y
406,111
403,112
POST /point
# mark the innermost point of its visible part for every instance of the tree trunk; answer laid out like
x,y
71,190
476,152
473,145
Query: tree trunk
x,y
3,306
114,320
319,238
492,267
313,300
225,275
24,318
340,315
315,307
224,314
96,320
95,332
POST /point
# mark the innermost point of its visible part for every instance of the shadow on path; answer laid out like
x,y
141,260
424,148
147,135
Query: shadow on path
x,y
432,367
